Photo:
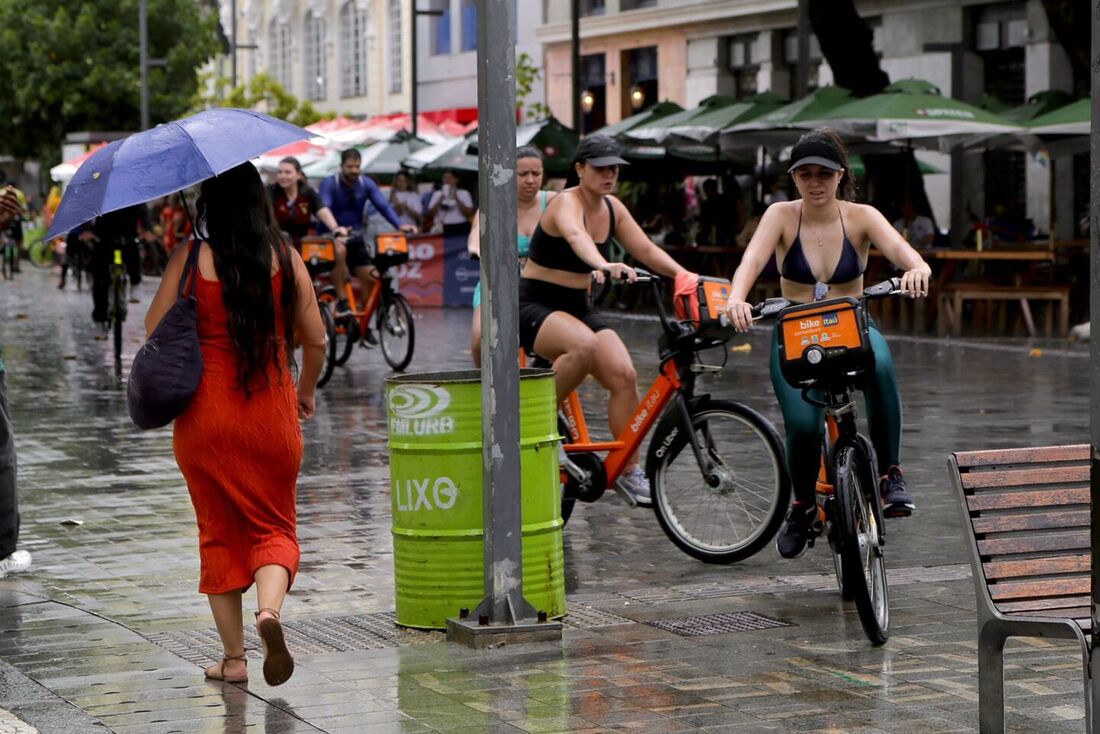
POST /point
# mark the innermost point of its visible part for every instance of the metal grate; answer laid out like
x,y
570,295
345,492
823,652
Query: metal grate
x,y
582,616
717,624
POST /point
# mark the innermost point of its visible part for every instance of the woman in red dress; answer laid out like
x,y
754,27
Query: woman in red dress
x,y
239,444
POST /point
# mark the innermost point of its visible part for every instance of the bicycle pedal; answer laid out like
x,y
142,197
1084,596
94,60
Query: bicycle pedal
x,y
627,497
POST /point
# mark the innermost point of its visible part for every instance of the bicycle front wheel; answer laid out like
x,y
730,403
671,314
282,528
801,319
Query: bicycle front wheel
x,y
730,507
860,547
396,331
330,343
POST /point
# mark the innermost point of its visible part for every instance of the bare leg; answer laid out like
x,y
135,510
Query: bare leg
x,y
271,585
272,582
339,274
226,609
571,345
615,371
475,337
365,274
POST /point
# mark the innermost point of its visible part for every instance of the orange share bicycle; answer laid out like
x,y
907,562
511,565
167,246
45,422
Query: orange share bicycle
x,y
390,311
716,467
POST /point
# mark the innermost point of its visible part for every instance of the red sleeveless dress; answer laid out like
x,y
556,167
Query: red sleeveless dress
x,y
240,457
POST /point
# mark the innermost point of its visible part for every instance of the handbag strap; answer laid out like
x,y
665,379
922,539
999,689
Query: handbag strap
x,y
190,270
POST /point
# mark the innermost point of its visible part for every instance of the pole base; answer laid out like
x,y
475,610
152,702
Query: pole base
x,y
471,634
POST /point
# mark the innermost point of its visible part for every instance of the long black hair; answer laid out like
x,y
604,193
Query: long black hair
x,y
237,221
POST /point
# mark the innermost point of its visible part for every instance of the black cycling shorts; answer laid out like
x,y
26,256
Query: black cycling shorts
x,y
358,253
538,299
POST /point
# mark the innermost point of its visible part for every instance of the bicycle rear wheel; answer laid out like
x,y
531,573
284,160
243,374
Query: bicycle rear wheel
x,y
396,331
330,343
728,510
860,549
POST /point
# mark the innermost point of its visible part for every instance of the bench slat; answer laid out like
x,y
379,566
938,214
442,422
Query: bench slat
x,y
1043,498
1041,454
1047,542
1000,570
1031,521
1038,605
1039,589
1079,614
1077,474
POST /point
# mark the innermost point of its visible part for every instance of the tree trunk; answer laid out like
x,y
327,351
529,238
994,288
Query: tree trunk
x,y
1069,20
847,44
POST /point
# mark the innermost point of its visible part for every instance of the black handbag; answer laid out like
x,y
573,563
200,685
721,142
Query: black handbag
x,y
168,367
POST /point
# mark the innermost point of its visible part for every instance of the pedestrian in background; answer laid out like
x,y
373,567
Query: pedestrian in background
x,y
405,201
452,207
11,560
239,444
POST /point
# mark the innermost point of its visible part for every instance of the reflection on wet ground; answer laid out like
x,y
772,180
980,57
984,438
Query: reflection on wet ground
x,y
109,620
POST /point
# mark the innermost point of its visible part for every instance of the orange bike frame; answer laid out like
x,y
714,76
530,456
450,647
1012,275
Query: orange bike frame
x,y
624,445
372,302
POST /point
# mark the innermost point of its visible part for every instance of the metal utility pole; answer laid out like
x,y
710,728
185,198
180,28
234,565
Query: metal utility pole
x,y
233,44
578,119
415,79
802,84
143,52
1094,346
503,612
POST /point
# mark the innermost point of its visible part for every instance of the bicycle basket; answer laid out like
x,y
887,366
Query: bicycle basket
x,y
825,341
390,249
319,254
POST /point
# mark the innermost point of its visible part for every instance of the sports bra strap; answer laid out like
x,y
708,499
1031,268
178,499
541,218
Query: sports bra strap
x,y
611,214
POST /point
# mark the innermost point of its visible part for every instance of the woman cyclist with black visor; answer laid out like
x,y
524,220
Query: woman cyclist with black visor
x,y
821,243
557,321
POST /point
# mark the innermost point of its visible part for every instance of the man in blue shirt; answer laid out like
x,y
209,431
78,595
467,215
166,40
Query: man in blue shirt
x,y
346,194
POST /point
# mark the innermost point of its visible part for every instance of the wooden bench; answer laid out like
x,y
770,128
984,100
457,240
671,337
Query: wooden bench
x,y
1027,512
952,296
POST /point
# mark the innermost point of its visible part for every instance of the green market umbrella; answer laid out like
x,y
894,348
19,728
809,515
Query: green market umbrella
x,y
855,163
705,127
645,117
783,126
381,159
554,140
914,112
1073,119
1038,104
657,131
447,155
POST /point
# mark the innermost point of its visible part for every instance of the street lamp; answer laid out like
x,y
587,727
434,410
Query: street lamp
x,y
637,97
588,100
416,13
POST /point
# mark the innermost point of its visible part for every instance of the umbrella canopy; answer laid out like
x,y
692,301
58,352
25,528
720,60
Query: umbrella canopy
x,y
913,111
306,151
1038,104
783,126
446,155
554,140
62,172
168,158
379,159
645,117
855,163
1073,119
657,131
705,127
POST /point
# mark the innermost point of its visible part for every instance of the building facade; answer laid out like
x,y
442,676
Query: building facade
x,y
637,52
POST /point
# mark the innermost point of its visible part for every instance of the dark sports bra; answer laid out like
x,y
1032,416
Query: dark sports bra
x,y
796,268
556,253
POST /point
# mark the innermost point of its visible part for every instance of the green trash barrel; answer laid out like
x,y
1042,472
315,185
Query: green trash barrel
x,y
436,493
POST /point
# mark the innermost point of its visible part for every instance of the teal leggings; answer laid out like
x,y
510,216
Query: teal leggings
x,y
805,423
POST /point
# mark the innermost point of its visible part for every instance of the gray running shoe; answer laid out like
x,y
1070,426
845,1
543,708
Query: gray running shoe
x,y
635,483
18,561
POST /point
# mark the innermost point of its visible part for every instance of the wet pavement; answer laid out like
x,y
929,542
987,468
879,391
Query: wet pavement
x,y
108,633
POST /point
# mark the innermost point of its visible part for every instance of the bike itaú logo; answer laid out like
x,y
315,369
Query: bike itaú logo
x,y
415,409
809,324
443,495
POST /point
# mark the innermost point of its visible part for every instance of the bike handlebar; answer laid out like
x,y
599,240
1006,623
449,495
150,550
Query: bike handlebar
x,y
770,308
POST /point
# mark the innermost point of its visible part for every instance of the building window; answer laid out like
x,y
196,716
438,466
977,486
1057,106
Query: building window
x,y
353,50
637,4
744,63
441,28
592,7
593,91
640,81
790,59
315,56
397,72
279,45
469,25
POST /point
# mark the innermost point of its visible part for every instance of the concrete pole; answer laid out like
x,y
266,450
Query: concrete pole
x,y
413,69
802,83
1094,341
233,44
143,55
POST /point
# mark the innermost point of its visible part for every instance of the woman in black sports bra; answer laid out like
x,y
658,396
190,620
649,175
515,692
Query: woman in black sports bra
x,y
821,243
556,320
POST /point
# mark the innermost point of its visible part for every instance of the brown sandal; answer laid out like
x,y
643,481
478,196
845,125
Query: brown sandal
x,y
217,671
278,663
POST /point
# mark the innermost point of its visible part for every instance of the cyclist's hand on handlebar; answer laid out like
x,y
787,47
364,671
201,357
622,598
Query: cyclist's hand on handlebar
x,y
409,228
914,283
598,277
740,314
620,271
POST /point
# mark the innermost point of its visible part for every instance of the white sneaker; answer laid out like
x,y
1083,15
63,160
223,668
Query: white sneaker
x,y
635,484
18,561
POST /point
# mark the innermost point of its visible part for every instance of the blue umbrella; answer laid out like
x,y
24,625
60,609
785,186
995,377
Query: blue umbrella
x,y
166,159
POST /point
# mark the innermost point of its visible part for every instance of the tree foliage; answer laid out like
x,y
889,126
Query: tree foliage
x,y
74,65
526,76
264,93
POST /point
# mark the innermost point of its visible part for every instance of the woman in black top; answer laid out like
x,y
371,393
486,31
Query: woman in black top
x,y
556,320
296,203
